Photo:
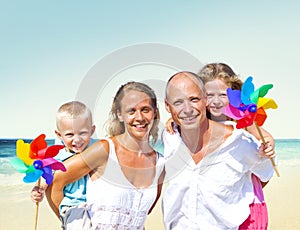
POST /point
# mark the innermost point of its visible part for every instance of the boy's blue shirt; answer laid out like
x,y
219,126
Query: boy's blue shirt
x,y
74,193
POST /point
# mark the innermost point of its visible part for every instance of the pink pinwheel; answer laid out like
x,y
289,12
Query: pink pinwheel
x,y
36,159
248,106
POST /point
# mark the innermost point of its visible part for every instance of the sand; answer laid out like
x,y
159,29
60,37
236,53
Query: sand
x,y
282,197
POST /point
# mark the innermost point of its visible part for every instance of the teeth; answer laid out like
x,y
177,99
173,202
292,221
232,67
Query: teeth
x,y
188,118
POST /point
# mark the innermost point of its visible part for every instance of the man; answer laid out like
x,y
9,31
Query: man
x,y
209,164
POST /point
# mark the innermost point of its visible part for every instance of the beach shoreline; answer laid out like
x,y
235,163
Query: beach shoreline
x,y
281,195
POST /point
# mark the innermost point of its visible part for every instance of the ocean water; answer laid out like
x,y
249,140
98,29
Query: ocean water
x,y
287,151
8,175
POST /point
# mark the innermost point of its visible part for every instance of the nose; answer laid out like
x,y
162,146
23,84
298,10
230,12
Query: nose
x,y
139,115
216,100
187,107
76,138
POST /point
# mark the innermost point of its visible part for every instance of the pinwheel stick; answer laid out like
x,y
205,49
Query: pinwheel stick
x,y
264,142
37,208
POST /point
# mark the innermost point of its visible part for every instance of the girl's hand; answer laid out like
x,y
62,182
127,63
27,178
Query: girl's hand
x,y
267,149
169,126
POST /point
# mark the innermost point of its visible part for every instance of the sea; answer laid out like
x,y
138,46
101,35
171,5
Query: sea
x,y
287,151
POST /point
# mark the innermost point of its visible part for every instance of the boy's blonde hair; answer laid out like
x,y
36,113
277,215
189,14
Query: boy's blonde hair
x,y
73,109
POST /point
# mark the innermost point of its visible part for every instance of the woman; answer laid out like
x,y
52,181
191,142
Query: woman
x,y
126,174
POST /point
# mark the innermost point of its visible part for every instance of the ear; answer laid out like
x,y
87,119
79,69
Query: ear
x,y
206,101
155,112
58,134
119,116
93,130
167,106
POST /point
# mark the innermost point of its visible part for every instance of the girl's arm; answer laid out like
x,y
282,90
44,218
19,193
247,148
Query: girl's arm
x,y
269,148
169,126
77,166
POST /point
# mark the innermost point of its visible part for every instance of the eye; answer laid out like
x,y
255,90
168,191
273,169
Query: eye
x,y
209,95
146,109
195,99
177,103
83,133
130,111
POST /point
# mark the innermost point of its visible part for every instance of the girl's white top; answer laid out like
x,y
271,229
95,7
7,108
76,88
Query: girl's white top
x,y
114,203
216,192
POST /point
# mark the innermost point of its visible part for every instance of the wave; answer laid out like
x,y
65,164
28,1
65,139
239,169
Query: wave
x,y
15,179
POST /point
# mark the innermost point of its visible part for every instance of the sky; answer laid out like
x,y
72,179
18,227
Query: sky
x,y
52,52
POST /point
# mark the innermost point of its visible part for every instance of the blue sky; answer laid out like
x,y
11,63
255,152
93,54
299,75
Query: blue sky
x,y
49,47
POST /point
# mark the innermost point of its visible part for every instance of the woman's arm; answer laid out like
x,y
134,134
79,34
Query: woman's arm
x,y
77,166
159,189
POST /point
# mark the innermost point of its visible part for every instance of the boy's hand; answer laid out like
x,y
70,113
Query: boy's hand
x,y
37,194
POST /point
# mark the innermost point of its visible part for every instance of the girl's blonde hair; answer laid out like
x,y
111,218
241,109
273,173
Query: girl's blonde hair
x,y
223,72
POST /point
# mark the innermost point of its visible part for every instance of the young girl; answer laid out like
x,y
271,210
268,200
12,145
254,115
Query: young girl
x,y
217,78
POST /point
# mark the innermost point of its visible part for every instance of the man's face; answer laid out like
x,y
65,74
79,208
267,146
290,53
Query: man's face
x,y
186,102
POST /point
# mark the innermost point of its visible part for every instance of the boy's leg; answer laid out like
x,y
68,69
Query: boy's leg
x,y
76,218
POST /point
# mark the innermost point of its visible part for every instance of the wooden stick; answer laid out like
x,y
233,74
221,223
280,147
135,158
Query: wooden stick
x,y
264,142
37,208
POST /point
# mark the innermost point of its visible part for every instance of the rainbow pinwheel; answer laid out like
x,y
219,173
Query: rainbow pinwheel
x,y
248,106
36,159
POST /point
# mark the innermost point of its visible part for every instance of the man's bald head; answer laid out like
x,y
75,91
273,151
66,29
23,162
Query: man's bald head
x,y
180,76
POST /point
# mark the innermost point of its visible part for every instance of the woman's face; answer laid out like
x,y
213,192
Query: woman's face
x,y
216,98
137,114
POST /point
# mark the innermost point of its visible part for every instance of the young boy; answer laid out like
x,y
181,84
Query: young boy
x,y
74,127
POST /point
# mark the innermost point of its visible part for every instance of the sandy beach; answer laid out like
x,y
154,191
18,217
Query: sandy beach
x,y
282,197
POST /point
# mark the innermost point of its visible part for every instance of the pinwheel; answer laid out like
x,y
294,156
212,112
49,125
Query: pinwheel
x,y
247,106
36,161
